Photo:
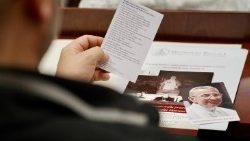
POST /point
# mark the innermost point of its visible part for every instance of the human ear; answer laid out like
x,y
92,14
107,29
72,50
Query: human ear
x,y
39,10
192,99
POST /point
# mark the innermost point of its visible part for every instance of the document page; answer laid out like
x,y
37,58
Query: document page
x,y
226,64
171,68
129,38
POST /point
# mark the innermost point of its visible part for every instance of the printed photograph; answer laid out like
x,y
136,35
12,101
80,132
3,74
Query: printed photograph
x,y
208,103
164,89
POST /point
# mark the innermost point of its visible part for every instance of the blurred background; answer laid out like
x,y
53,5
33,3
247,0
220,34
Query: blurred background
x,y
213,5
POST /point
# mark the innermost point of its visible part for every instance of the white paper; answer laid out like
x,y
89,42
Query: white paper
x,y
227,65
176,120
221,126
230,72
129,38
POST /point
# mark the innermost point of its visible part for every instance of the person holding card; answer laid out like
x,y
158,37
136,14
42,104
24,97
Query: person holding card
x,y
39,107
206,100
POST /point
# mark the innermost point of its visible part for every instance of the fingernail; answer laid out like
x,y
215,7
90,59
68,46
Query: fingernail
x,y
106,76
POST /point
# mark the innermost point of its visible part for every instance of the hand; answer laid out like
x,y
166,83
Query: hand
x,y
79,59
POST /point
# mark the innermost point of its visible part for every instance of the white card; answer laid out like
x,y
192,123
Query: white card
x,y
129,38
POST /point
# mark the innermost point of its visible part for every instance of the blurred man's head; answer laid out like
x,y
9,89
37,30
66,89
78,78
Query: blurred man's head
x,y
173,77
27,28
206,96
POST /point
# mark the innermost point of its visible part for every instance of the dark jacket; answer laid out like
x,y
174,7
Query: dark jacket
x,y
37,107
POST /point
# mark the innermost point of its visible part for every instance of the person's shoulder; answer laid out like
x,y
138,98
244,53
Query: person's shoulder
x,y
86,91
227,110
77,130
190,108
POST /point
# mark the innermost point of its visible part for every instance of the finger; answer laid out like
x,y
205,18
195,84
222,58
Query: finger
x,y
101,75
84,42
104,59
88,41
94,54
105,76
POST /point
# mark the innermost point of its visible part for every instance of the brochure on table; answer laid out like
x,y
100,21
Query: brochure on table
x,y
226,62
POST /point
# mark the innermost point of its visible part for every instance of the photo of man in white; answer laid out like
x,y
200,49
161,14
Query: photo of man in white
x,y
205,106
170,85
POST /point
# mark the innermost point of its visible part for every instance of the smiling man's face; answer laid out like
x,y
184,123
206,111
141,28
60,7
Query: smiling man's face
x,y
208,98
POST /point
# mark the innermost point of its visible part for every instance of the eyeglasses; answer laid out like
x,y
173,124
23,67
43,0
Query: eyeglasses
x,y
207,96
